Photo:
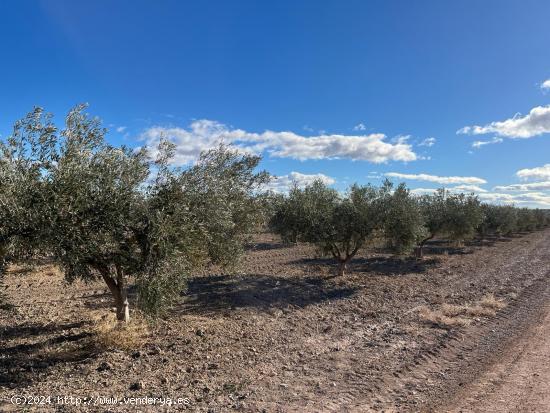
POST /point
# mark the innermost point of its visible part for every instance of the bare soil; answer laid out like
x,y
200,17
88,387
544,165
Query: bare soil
x,y
519,378
284,335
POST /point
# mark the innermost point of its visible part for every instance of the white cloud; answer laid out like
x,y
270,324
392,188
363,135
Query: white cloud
x,y
533,186
545,86
528,199
284,182
535,199
541,172
428,142
479,144
121,129
541,176
497,198
359,126
467,188
537,122
445,180
401,139
423,191
205,134
374,175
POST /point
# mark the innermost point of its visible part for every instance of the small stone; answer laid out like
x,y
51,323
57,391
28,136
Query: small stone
x,y
155,350
104,366
200,332
138,385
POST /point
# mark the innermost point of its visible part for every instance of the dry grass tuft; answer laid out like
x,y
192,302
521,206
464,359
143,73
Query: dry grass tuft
x,y
453,310
439,318
452,315
112,334
489,301
480,311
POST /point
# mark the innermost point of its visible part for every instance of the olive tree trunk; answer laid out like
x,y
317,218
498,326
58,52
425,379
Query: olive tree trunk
x,y
119,290
342,265
419,250
344,257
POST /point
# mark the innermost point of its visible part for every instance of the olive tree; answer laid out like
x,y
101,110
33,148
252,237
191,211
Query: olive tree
x,y
498,220
526,220
24,157
452,215
354,221
542,217
464,214
288,215
222,195
114,213
434,210
339,225
204,214
403,220
269,202
532,219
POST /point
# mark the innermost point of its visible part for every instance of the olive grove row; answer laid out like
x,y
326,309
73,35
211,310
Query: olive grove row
x,y
115,213
341,225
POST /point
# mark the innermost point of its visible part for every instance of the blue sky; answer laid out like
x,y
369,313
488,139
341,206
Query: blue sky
x,y
353,90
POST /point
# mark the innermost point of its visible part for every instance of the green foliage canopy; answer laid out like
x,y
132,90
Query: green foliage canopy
x,y
100,210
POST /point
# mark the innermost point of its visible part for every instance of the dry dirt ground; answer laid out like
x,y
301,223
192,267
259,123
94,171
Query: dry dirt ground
x,y
518,380
286,336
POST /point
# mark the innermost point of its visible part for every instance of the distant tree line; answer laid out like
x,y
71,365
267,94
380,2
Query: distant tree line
x,y
340,225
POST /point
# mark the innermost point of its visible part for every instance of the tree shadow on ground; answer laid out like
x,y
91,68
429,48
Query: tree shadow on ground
x,y
267,246
30,330
446,250
27,354
5,305
442,247
387,265
395,265
482,242
216,293
520,234
490,241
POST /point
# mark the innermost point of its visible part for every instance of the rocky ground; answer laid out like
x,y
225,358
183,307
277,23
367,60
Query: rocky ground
x,y
285,335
